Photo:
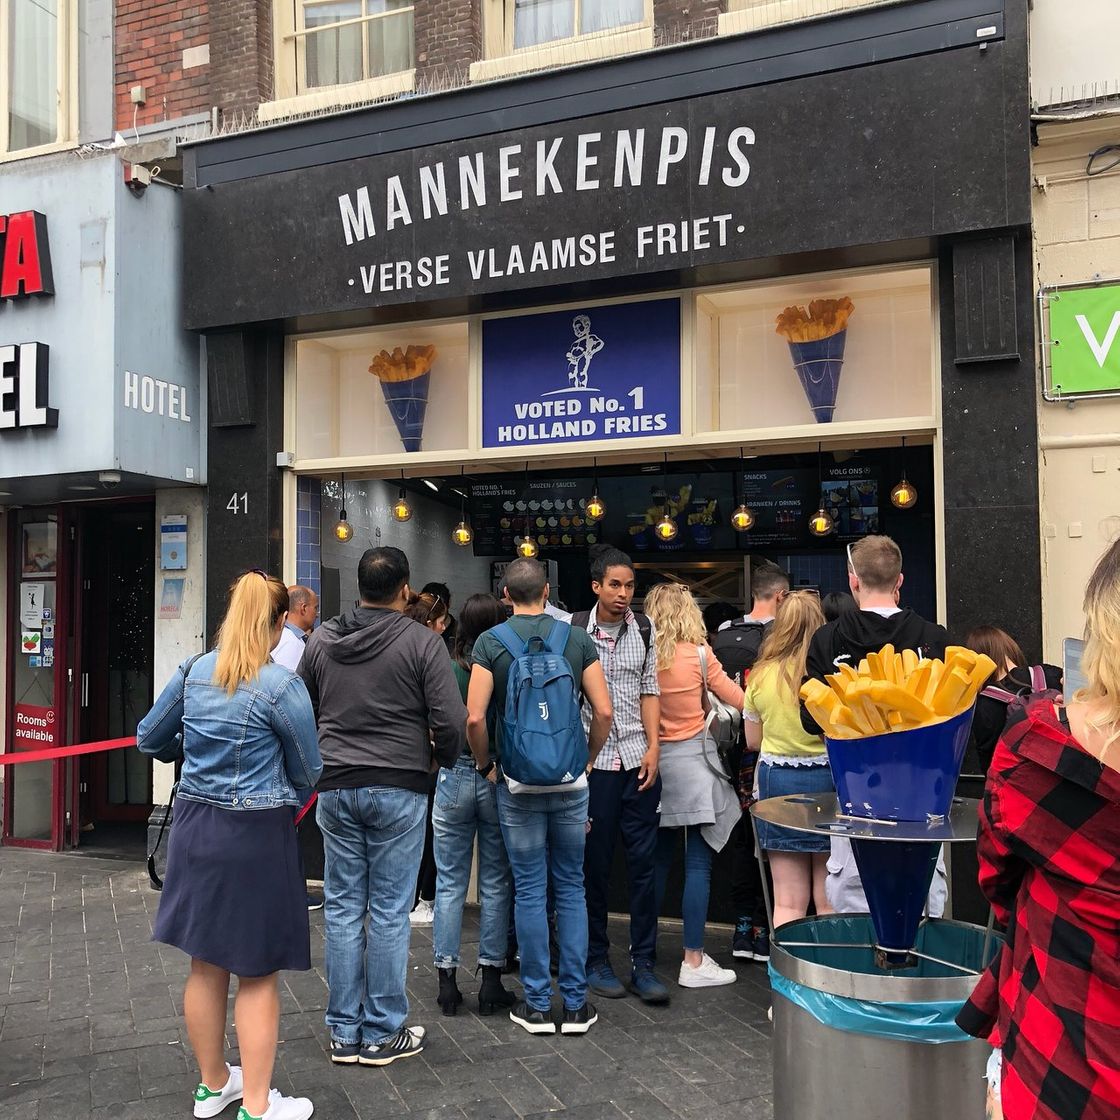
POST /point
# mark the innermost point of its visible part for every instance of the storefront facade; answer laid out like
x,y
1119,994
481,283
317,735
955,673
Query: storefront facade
x,y
583,272
101,437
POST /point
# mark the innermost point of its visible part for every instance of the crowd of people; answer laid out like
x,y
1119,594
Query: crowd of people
x,y
538,743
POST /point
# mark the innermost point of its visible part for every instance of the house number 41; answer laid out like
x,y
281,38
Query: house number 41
x,y
239,503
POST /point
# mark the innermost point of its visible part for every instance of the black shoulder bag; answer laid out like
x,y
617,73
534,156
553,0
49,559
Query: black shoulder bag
x,y
153,877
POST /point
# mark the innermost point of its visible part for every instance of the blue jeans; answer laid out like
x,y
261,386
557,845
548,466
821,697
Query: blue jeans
x,y
697,879
546,832
466,804
372,842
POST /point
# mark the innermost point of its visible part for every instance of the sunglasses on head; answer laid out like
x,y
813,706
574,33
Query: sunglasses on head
x,y
431,610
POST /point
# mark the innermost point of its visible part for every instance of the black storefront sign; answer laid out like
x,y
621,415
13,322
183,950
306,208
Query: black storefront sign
x,y
886,153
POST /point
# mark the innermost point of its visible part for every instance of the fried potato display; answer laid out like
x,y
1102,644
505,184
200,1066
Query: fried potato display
x,y
403,365
824,318
896,692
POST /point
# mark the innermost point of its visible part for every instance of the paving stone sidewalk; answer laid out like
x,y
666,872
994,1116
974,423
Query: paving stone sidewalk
x,y
90,1026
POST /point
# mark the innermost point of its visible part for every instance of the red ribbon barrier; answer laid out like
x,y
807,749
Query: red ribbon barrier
x,y
50,753
307,808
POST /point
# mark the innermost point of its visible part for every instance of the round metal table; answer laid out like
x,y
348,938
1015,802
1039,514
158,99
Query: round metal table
x,y
820,812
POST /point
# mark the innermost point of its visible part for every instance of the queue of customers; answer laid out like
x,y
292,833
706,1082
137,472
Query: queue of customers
x,y
545,740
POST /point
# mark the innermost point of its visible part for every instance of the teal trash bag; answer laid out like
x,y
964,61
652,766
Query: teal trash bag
x,y
816,941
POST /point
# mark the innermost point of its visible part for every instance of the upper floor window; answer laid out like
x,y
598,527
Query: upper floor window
x,y
537,22
37,60
344,41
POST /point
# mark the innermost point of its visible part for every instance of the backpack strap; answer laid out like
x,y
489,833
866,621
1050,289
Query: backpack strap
x,y
644,628
1038,678
580,619
557,638
994,692
510,640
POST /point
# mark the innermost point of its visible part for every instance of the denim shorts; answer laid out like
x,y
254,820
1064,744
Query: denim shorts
x,y
777,781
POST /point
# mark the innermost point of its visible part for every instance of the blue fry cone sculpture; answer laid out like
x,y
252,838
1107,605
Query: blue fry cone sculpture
x,y
896,876
818,366
408,405
901,776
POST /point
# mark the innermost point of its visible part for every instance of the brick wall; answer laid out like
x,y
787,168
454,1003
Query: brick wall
x,y
448,38
241,54
161,45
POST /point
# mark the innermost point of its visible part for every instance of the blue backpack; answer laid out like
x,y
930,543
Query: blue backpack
x,y
543,741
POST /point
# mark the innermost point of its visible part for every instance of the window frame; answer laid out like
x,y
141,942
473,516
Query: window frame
x,y
66,63
300,32
509,17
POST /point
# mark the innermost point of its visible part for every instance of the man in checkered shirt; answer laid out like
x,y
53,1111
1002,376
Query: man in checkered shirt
x,y
624,787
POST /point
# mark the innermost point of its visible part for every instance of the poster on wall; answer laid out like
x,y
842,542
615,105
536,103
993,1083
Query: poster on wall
x,y
171,599
599,373
698,503
39,551
31,605
173,542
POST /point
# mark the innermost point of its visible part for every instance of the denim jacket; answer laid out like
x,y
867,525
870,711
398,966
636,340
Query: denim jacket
x,y
256,749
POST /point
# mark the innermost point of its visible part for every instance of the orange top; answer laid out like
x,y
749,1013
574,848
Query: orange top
x,y
682,712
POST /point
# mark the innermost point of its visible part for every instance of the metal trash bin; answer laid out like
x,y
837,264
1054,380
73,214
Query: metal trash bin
x,y
853,1042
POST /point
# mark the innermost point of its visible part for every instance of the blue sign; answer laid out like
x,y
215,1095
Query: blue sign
x,y
574,376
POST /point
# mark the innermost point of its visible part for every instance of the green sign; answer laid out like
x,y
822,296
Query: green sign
x,y
1085,339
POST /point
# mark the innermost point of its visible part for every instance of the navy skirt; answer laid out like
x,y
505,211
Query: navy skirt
x,y
234,893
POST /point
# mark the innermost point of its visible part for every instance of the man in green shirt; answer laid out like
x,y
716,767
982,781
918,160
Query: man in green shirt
x,y
544,829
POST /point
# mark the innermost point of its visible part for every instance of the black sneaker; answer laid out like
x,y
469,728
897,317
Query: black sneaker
x,y
760,943
534,1021
741,943
344,1053
406,1043
579,1021
314,901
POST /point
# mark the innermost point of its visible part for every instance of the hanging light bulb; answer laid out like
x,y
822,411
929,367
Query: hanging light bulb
x,y
596,508
821,523
461,534
343,530
666,529
905,493
742,516
527,547
742,519
402,510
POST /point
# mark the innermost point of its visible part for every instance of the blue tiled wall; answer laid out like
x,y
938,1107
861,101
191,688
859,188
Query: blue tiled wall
x,y
308,556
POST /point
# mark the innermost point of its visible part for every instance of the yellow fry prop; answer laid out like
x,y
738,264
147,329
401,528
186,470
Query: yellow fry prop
x,y
892,691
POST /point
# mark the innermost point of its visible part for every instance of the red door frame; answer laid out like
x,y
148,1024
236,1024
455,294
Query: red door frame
x,y
62,627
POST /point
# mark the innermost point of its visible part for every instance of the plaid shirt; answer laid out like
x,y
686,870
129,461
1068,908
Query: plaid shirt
x,y
1049,851
631,673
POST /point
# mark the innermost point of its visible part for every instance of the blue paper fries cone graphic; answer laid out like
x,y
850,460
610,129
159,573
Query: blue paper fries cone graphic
x,y
408,405
818,367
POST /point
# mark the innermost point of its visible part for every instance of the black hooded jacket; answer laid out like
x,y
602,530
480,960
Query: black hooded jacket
x,y
385,699
856,634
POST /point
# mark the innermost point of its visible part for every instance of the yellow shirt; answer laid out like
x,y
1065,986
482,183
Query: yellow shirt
x,y
769,701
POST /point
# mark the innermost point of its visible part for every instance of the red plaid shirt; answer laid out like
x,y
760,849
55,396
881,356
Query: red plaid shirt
x,y
1049,851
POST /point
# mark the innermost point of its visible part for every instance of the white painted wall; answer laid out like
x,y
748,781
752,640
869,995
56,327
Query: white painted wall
x,y
178,639
1073,50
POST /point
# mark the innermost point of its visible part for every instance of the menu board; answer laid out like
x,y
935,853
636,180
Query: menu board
x,y
552,508
699,504
783,501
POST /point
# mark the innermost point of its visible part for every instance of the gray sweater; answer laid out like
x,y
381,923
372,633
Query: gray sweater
x,y
385,700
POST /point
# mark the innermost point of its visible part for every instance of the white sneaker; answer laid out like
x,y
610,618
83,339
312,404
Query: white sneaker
x,y
281,1108
707,974
423,914
209,1102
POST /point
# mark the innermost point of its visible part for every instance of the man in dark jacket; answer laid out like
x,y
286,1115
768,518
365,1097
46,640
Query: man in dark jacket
x,y
875,578
388,710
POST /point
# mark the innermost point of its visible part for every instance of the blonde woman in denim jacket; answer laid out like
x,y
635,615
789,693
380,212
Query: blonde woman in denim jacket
x,y
235,897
